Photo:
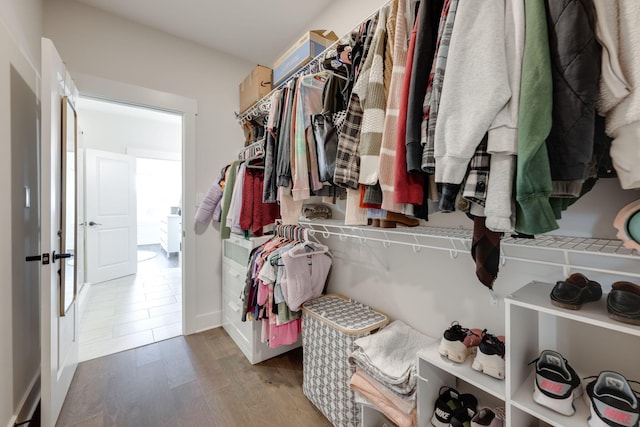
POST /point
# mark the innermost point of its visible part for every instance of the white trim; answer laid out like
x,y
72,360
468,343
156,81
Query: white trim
x,y
97,87
207,321
32,396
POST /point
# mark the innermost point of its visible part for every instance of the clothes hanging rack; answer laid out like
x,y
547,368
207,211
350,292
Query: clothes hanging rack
x,y
262,107
295,233
253,151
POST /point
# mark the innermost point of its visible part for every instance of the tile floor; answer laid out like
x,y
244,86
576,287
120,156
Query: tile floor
x,y
133,311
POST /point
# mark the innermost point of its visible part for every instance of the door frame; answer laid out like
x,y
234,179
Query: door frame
x,y
109,90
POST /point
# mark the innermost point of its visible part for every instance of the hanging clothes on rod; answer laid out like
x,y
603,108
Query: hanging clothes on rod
x,y
284,272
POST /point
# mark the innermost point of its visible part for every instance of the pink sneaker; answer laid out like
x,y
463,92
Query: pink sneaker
x,y
457,342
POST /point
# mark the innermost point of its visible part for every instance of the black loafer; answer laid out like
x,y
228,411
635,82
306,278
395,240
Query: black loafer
x,y
623,302
575,291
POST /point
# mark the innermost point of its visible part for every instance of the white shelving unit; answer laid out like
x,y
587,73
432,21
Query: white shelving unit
x,y
532,322
531,326
435,371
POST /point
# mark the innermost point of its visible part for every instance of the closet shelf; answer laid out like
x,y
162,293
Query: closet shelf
x,y
592,254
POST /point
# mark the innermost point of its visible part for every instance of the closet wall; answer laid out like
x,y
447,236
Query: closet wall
x,y
20,26
96,43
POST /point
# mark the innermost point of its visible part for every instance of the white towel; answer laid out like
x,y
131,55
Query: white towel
x,y
390,355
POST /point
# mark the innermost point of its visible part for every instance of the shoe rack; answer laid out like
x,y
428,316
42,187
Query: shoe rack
x,y
532,325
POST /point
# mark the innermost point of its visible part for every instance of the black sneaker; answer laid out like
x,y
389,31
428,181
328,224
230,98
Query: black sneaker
x,y
457,342
556,384
449,401
462,417
490,356
613,403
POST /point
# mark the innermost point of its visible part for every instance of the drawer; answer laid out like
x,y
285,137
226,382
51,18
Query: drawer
x,y
236,252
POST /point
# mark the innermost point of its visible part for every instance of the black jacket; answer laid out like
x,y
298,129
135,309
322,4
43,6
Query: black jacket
x,y
575,61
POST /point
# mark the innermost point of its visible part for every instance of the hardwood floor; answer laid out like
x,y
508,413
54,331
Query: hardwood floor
x,y
197,380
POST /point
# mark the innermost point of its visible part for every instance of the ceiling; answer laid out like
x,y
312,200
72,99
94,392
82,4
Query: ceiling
x,y
254,30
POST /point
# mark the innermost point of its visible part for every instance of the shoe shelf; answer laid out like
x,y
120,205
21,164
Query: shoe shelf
x,y
435,371
523,400
591,254
429,358
535,296
534,324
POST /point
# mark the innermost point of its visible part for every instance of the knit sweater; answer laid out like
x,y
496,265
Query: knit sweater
x,y
475,88
374,103
390,132
533,177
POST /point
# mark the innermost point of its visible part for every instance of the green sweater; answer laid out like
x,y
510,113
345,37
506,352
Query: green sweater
x,y
533,177
225,232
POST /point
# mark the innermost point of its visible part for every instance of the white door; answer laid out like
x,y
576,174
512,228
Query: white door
x,y
59,333
111,232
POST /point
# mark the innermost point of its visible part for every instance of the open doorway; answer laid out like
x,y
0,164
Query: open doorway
x,y
134,274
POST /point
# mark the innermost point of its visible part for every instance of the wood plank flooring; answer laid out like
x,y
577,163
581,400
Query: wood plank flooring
x,y
197,380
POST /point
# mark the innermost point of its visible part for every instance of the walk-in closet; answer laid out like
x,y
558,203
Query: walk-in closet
x,y
398,213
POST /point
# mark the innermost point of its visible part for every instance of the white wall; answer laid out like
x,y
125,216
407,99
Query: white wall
x,y
96,43
20,26
23,22
114,132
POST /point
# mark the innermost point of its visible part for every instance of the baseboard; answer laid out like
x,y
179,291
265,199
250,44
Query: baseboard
x,y
28,403
205,322
82,299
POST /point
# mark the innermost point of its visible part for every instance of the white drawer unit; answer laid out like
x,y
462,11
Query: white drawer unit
x,y
170,231
246,335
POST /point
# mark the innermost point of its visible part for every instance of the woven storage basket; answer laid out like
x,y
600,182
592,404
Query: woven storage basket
x,y
330,325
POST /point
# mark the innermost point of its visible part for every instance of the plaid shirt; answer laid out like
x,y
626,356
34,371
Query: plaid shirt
x,y
475,186
347,158
434,85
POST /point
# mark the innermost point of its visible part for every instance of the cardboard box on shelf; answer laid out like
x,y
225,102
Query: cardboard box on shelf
x,y
310,45
256,85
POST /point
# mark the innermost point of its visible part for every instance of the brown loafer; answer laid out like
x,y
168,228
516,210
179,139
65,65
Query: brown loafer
x,y
623,302
400,219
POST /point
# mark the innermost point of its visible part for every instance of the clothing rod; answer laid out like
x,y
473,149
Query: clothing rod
x,y
254,110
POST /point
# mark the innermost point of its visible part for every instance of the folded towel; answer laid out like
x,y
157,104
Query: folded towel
x,y
397,410
389,356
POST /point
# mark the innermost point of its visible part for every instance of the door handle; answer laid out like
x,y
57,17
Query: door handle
x,y
44,258
60,256
93,223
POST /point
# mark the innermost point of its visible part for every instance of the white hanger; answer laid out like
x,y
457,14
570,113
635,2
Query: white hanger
x,y
301,249
315,247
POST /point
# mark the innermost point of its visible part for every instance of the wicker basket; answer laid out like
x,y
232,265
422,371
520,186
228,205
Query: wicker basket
x,y
330,325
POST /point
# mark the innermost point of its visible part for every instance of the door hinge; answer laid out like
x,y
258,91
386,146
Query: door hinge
x,y
44,258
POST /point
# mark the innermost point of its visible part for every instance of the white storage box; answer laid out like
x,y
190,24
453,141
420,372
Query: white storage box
x,y
330,325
